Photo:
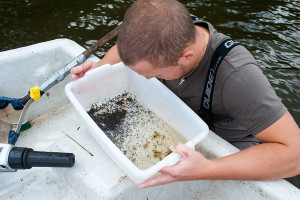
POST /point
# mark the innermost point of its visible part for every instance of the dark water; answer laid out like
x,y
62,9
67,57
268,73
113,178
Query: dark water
x,y
270,29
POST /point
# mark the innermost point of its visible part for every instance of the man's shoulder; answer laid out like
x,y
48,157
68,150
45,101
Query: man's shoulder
x,y
238,57
237,60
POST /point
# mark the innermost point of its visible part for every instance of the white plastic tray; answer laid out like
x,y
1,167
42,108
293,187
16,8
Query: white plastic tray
x,y
108,81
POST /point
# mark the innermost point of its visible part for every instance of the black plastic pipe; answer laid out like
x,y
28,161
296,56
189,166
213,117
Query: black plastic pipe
x,y
26,158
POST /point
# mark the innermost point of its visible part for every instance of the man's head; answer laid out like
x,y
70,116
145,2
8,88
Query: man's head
x,y
155,32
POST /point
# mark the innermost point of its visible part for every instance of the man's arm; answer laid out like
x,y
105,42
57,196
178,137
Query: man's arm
x,y
278,157
111,57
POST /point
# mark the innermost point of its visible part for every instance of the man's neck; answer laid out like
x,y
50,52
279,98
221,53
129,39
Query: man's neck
x,y
199,47
202,39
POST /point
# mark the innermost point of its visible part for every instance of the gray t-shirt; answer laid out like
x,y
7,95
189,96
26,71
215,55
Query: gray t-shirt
x,y
244,103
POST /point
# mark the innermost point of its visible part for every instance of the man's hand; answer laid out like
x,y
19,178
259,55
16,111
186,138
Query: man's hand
x,y
79,71
190,165
111,57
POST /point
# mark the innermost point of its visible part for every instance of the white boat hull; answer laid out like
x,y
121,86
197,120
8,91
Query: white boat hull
x,y
94,177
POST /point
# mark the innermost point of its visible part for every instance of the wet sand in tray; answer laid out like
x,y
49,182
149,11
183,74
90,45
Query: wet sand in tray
x,y
138,132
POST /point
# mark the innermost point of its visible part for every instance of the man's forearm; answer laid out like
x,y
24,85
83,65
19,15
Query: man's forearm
x,y
111,57
261,162
278,157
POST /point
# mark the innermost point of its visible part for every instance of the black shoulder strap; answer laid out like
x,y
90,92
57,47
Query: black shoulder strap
x,y
207,96
194,18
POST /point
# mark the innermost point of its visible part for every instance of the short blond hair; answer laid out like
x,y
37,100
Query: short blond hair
x,y
156,31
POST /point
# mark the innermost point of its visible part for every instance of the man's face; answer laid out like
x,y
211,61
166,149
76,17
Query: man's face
x,y
147,70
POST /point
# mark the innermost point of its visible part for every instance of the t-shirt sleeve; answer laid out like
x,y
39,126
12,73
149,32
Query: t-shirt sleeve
x,y
249,98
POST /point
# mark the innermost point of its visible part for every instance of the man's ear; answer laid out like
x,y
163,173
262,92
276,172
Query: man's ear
x,y
186,56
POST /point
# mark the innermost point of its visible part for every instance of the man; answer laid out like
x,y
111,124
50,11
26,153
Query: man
x,y
159,39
